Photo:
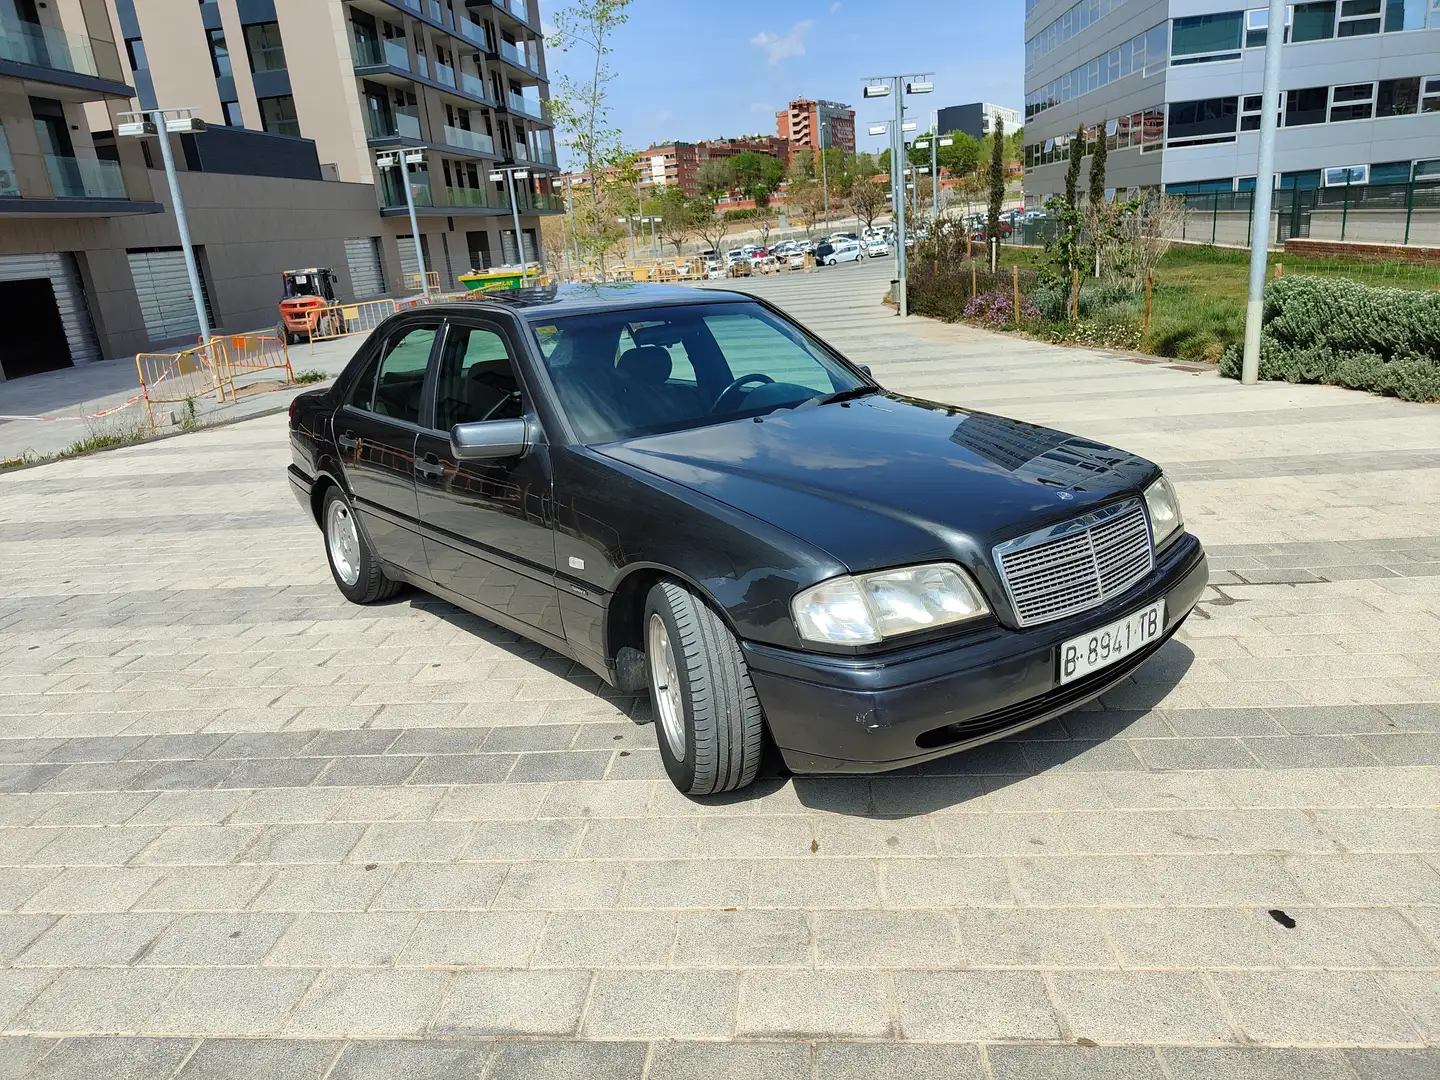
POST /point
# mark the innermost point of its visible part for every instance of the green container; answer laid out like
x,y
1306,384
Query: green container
x,y
491,280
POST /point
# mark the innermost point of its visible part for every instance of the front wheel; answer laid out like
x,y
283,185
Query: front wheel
x,y
353,563
708,721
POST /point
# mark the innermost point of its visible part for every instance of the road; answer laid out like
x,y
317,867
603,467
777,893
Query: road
x,y
249,830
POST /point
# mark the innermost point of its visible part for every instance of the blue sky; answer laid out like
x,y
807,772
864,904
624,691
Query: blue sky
x,y
700,69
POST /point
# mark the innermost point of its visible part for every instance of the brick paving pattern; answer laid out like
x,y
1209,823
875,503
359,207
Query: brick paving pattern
x,y
248,829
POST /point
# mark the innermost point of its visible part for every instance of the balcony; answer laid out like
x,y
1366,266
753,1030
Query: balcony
x,y
436,12
520,55
472,31
401,124
523,105
367,52
444,73
470,140
46,47
474,86
472,198
392,195
540,202
85,178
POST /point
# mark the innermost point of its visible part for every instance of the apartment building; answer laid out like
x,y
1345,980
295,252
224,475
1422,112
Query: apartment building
x,y
464,81
1174,87
815,124
679,163
977,119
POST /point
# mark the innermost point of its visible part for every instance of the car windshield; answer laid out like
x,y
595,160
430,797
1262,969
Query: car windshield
x,y
626,373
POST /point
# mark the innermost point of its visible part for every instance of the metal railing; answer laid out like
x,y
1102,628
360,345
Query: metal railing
x,y
85,178
46,46
1406,213
209,370
470,140
367,52
456,196
346,320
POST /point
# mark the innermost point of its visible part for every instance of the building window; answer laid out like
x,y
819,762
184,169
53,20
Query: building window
x,y
1359,17
1346,175
1202,38
219,54
1208,120
1314,22
1398,97
232,114
262,42
1404,15
277,114
1390,172
1308,180
1306,106
1145,53
1355,102
135,50
1431,101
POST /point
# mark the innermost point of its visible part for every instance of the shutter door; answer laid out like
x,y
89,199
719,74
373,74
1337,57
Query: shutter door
x,y
507,244
163,288
408,263
363,255
64,274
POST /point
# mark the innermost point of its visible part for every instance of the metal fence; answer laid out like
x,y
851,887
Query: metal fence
x,y
1366,213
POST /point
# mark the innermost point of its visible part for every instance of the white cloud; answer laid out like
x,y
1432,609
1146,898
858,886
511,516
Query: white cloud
x,y
835,7
783,47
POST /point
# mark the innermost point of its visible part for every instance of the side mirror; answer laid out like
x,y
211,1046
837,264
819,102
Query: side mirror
x,y
485,440
866,369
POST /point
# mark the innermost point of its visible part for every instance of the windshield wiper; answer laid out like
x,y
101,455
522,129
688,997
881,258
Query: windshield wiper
x,y
841,395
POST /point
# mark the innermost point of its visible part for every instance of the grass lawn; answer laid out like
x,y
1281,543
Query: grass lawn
x,y
1199,294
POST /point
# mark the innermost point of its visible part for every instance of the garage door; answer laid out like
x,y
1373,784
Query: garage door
x,y
163,287
409,265
64,274
362,253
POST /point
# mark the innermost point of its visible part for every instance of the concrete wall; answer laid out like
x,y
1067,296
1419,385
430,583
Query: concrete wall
x,y
1376,226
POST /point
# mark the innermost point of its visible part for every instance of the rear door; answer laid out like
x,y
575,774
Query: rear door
x,y
375,431
487,525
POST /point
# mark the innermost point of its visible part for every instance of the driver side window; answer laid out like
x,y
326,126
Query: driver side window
x,y
477,379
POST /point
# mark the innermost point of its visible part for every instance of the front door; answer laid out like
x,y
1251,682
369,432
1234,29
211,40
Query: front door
x,y
375,431
487,524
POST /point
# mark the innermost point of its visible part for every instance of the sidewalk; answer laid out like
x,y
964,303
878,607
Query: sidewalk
x,y
74,392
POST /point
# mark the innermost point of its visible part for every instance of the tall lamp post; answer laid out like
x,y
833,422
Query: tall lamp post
x,y
164,123
931,141
1264,192
824,172
404,159
899,85
511,173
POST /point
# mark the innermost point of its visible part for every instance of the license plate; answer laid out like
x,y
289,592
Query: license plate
x,y
1100,648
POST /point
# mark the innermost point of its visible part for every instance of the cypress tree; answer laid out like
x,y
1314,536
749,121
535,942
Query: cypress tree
x,y
1072,174
1097,167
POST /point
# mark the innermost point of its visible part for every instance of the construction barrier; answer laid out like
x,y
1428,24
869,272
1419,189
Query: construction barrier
x,y
342,320
172,378
411,282
238,355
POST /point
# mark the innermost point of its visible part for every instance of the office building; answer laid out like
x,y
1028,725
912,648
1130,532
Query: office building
x,y
465,82
816,124
977,119
1174,87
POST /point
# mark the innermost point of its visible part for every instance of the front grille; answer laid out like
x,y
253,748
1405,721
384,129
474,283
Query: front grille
x,y
1076,565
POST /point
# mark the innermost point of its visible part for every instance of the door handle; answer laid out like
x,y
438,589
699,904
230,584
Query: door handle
x,y
348,441
430,466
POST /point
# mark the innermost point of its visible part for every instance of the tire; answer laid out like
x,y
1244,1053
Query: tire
x,y
353,563
702,698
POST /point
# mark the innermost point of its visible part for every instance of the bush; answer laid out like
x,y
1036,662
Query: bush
x,y
1347,334
1196,327
995,308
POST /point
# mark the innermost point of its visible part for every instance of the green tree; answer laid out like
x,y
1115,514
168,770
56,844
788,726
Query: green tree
x,y
962,156
997,180
680,217
582,112
716,177
1072,172
865,165
837,173
710,226
1097,166
757,175
807,199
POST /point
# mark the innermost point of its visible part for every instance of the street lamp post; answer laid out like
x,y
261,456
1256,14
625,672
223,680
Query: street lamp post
x,y
934,141
1264,192
404,159
182,123
824,171
512,173
899,85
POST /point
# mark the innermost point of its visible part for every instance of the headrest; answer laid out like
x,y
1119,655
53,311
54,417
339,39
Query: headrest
x,y
647,363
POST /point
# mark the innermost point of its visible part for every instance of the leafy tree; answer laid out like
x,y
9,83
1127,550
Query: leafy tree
x,y
1072,173
802,167
1015,145
962,156
679,217
1097,166
997,180
582,112
716,177
836,174
807,198
757,175
865,165
868,199
710,226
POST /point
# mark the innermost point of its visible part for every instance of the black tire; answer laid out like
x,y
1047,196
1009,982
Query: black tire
x,y
369,582
724,727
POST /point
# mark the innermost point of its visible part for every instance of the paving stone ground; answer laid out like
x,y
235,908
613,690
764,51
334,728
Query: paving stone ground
x,y
248,829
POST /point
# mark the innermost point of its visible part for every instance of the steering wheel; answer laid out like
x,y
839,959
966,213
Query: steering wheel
x,y
757,378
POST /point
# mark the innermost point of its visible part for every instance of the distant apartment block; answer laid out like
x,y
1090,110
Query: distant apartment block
x,y
1174,87
679,163
977,119
817,124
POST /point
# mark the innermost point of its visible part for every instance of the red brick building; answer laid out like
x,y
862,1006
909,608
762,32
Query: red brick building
x,y
813,123
679,163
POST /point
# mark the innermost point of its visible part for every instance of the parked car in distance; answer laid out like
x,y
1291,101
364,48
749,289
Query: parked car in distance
x,y
844,251
822,252
979,234
877,247
685,491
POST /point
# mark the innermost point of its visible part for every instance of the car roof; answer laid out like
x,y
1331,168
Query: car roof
x,y
542,303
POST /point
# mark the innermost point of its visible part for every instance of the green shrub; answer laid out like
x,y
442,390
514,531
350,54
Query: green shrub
x,y
1197,327
1341,332
313,375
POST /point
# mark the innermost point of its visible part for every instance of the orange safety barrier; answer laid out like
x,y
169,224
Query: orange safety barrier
x,y
410,282
170,378
238,355
342,320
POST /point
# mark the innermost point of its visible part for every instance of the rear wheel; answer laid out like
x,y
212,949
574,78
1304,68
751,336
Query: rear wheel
x,y
353,563
708,721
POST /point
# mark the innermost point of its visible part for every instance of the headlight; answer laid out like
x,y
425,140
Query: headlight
x,y
1164,507
866,608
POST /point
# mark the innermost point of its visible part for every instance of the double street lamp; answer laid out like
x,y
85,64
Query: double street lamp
x,y
404,159
899,86
511,173
931,141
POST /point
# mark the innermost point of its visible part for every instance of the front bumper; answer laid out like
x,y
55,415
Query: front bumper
x,y
871,714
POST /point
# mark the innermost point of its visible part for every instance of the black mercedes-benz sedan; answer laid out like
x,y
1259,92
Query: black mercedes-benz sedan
x,y
684,490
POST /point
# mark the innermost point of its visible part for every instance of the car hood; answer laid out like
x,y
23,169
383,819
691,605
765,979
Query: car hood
x,y
888,480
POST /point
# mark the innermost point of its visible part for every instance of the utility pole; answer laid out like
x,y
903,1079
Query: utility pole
x,y
1264,192
511,173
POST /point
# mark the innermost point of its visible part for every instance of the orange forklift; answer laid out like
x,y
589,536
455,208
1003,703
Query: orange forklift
x,y
304,305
